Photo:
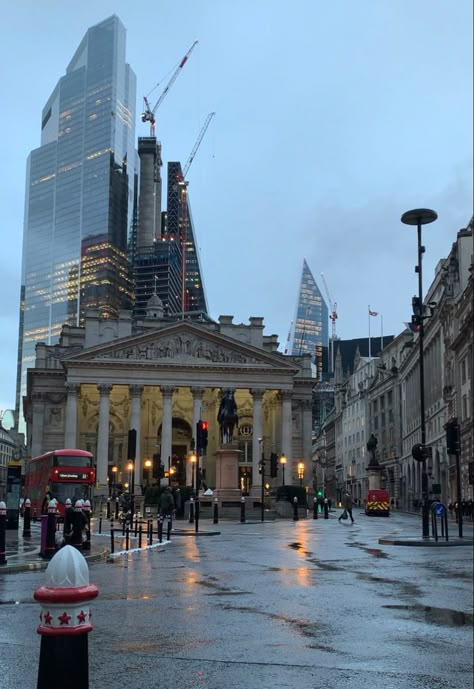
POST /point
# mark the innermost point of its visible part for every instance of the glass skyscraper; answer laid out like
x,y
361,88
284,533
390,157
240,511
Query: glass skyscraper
x,y
79,197
310,331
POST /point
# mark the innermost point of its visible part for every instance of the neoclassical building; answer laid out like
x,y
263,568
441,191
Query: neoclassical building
x,y
160,376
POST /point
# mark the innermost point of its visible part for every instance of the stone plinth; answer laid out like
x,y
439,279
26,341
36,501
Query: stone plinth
x,y
375,477
227,473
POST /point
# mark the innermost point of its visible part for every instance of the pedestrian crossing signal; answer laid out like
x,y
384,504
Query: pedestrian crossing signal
x,y
202,428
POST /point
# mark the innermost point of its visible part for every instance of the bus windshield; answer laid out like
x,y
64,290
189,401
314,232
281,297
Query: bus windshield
x,y
62,491
70,461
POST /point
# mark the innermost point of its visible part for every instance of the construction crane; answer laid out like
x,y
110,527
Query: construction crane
x,y
183,184
148,114
333,317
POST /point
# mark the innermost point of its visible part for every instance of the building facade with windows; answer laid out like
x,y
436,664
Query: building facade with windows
x,y
79,196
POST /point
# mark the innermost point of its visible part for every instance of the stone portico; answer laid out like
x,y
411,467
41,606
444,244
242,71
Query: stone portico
x,y
160,377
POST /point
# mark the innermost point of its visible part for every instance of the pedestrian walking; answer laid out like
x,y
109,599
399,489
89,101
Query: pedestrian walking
x,y
166,502
347,508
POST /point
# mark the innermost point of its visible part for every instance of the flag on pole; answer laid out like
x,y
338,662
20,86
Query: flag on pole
x,y
373,313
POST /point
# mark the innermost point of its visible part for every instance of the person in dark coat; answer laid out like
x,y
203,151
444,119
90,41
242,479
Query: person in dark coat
x,y
166,502
347,502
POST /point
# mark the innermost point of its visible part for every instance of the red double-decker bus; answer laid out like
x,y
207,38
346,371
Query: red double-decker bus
x,y
62,474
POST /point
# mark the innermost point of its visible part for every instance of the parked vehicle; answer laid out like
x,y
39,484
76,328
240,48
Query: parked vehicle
x,y
378,503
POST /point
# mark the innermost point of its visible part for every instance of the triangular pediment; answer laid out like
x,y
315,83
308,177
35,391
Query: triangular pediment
x,y
182,344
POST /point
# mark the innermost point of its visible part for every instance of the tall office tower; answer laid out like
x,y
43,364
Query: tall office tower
x,y
310,332
177,215
79,196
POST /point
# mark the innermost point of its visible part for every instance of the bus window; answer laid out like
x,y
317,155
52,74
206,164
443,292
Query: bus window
x,y
69,461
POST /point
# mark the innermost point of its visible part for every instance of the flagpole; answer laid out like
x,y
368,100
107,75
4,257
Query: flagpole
x,y
381,332
370,348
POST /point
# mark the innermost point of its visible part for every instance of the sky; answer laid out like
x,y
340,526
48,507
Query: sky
x,y
333,117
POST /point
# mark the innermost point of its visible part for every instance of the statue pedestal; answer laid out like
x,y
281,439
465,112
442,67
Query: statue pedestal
x,y
375,477
227,474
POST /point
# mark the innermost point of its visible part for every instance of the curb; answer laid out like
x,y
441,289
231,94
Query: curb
x,y
426,543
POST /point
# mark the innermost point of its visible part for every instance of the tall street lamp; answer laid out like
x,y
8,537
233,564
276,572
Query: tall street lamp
x,y
420,217
114,481
301,472
148,465
283,461
193,460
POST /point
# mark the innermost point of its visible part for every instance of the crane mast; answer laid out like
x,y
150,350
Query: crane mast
x,y
148,114
333,317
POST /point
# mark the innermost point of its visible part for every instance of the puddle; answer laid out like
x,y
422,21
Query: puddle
x,y
443,616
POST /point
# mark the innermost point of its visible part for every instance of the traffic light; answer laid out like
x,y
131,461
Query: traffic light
x,y
319,494
417,452
273,465
202,428
417,311
453,437
132,444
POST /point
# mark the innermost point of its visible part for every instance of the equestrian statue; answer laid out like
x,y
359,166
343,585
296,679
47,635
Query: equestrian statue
x,y
227,417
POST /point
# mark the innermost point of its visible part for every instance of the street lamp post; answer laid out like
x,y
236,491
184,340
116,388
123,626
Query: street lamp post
x,y
262,472
192,459
420,217
114,482
301,472
148,466
131,482
283,461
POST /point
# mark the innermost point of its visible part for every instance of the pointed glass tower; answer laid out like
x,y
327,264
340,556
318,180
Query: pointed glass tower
x,y
310,332
79,197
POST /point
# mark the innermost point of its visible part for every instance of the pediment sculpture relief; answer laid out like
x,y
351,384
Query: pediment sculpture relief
x,y
181,347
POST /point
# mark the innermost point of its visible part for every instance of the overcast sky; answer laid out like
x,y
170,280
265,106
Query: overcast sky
x,y
333,117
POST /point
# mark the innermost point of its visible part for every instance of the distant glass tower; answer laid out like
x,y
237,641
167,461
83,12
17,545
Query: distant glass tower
x,y
195,294
310,332
79,197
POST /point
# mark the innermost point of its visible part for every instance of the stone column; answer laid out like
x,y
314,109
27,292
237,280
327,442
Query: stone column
x,y
135,392
37,424
197,412
103,435
70,432
166,424
257,447
307,434
287,431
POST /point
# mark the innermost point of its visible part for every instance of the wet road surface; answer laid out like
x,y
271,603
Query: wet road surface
x,y
281,604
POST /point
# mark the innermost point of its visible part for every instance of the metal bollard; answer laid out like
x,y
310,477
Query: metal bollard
x,y
191,510
196,515
216,511
326,508
123,526
86,508
3,520
136,525
315,508
112,537
50,547
108,509
170,521
242,510
27,519
34,514
140,536
295,509
127,538
160,529
65,622
100,524
116,508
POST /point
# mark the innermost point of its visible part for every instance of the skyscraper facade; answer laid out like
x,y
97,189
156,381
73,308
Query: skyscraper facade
x,y
310,331
79,196
178,219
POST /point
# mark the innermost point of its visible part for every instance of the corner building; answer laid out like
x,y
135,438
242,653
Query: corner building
x,y
79,197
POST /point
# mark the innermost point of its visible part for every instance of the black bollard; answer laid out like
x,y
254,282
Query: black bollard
x,y
116,508
65,623
191,511
315,508
112,537
216,511
242,510
135,532
326,508
3,520
108,509
50,548
127,538
100,524
86,509
78,525
160,529
196,515
295,509
34,514
140,536
27,519
170,521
